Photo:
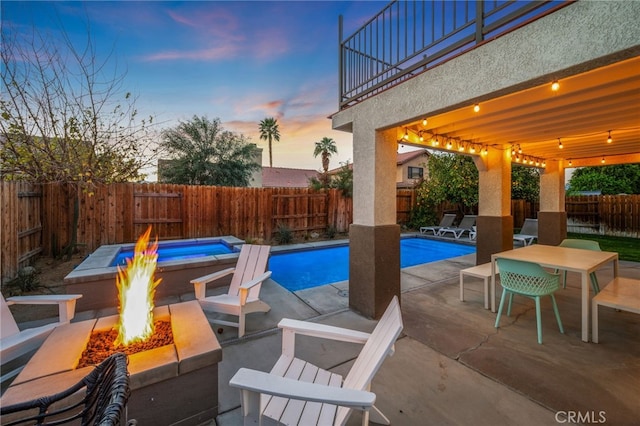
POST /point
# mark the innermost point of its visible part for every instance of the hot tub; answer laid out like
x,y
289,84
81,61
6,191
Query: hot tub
x,y
179,262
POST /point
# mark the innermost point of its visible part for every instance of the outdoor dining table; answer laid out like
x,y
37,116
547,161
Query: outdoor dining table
x,y
581,261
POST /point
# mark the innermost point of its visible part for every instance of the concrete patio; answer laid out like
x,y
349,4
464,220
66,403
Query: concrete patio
x,y
451,366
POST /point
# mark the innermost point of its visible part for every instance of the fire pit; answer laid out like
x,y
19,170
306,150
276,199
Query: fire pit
x,y
174,383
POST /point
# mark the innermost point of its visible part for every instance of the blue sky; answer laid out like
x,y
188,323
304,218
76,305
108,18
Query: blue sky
x,y
239,61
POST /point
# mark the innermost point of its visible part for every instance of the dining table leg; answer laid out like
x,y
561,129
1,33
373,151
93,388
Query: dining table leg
x,y
585,306
492,291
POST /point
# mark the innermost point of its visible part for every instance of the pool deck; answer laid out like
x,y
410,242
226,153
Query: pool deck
x,y
451,366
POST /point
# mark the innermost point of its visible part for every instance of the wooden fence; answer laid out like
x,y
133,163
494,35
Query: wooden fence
x,y
617,215
38,219
113,214
21,226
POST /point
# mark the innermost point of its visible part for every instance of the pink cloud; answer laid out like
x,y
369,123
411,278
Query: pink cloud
x,y
206,54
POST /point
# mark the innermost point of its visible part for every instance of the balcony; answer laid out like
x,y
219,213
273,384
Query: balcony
x,y
409,37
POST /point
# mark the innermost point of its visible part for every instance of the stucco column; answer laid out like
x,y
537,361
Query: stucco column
x,y
552,217
495,223
374,236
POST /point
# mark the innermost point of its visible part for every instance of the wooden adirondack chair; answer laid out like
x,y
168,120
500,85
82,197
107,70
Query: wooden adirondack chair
x,y
298,392
243,296
14,342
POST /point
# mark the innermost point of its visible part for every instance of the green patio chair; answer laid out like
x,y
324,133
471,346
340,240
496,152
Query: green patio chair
x,y
527,279
585,245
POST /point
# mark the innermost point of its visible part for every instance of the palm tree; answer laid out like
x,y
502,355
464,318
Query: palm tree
x,y
269,131
326,147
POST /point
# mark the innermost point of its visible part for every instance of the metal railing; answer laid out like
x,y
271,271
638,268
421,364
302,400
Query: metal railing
x,y
410,36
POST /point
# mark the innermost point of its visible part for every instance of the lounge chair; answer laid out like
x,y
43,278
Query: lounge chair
x,y
466,225
531,280
528,232
243,296
445,222
14,343
281,394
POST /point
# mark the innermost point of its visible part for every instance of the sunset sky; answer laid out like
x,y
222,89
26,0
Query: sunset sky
x,y
239,61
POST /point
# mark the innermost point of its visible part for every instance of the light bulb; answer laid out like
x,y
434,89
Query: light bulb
x,y
560,144
424,121
570,163
609,139
555,86
476,108
485,151
406,134
602,161
472,149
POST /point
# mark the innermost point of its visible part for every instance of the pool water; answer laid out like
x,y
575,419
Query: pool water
x,y
303,269
179,251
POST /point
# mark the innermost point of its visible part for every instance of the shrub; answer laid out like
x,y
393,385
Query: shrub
x,y
331,232
284,234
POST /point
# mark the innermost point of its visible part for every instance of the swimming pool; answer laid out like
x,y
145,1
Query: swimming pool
x,y
303,269
180,251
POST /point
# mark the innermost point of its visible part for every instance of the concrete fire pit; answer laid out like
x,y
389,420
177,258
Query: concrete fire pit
x,y
172,384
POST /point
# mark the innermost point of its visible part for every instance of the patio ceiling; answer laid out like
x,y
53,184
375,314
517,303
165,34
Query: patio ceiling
x,y
581,113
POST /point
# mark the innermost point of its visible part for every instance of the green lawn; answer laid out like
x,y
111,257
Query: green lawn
x,y
627,248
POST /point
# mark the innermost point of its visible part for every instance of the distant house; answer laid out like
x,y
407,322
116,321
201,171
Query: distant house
x,y
278,177
411,168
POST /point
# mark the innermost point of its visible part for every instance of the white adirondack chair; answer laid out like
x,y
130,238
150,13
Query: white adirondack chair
x,y
243,296
14,342
298,392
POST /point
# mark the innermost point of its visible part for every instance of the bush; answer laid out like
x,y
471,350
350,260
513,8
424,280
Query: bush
x,y
331,232
284,234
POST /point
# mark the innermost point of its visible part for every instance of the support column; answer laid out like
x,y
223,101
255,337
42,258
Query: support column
x,y
495,222
552,217
374,247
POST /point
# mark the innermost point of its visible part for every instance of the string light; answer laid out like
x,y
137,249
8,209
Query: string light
x,y
472,149
519,149
602,161
570,162
476,108
609,139
449,144
424,121
420,136
485,151
560,144
460,147
555,86
406,134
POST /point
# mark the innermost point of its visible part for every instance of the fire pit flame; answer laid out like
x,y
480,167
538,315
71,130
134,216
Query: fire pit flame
x,y
136,289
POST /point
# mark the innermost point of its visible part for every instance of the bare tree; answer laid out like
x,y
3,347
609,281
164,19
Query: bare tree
x,y
64,116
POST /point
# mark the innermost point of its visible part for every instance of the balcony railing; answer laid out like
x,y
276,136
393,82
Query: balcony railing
x,y
408,37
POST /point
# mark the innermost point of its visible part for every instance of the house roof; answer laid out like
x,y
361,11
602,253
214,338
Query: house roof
x,y
404,157
278,177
